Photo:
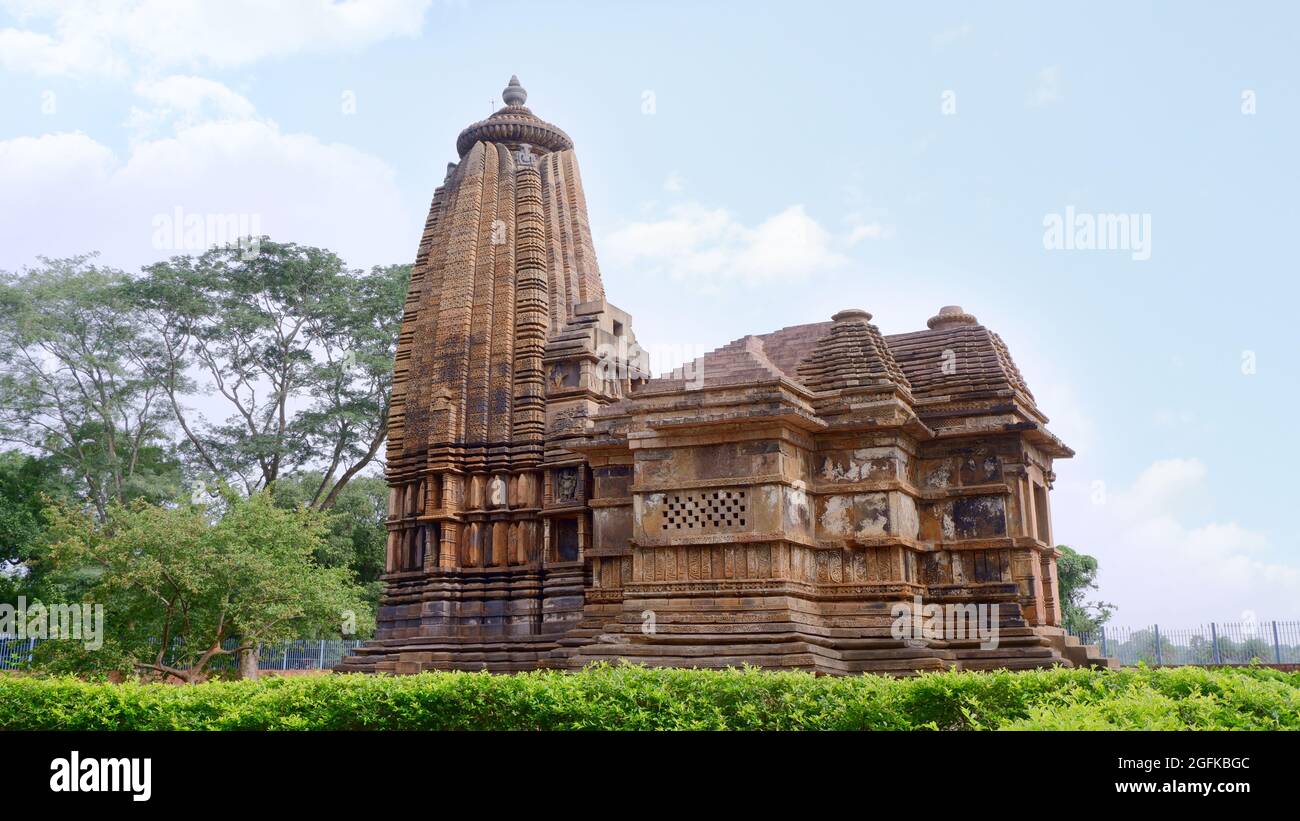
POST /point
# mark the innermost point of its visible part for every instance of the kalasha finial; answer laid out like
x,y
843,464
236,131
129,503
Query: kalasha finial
x,y
950,316
514,93
852,314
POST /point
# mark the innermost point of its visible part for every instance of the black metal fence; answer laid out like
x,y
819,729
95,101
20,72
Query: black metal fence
x,y
1269,642
302,654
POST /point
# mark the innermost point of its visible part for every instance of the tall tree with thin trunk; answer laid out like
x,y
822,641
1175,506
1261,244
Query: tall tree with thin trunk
x,y
296,347
71,384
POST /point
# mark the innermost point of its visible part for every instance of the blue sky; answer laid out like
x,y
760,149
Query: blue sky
x,y
750,166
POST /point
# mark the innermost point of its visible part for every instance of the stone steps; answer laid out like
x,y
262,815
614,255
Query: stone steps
x,y
1083,655
770,636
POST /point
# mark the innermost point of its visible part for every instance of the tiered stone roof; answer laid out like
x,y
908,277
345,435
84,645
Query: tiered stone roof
x,y
955,357
853,354
742,362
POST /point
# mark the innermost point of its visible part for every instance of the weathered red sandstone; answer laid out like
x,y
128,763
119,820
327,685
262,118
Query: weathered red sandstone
x,y
552,505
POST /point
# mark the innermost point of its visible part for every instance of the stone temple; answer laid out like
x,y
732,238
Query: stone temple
x,y
553,504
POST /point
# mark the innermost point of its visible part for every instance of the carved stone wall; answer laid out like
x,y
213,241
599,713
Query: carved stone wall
x,y
773,503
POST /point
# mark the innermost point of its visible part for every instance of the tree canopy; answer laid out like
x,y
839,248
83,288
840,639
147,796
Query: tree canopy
x,y
1076,574
72,385
183,585
101,371
297,348
269,371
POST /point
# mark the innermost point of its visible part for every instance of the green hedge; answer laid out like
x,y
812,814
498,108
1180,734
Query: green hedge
x,y
634,698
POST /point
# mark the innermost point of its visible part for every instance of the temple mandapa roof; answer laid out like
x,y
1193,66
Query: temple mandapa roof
x,y
849,351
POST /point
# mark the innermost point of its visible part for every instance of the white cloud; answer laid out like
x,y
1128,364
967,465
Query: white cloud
x,y
861,228
1167,571
74,194
1048,89
1160,487
674,184
72,52
871,230
864,220
192,94
710,247
87,36
182,100
56,160
1162,559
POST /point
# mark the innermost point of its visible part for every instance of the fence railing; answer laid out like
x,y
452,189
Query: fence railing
x,y
301,654
1270,642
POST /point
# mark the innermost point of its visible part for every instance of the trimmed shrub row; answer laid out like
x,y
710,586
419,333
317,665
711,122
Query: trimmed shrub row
x,y
627,697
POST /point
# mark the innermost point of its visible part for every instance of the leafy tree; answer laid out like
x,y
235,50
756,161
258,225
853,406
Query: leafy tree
x,y
1141,646
353,381
178,581
1076,574
97,369
71,382
298,348
357,531
26,484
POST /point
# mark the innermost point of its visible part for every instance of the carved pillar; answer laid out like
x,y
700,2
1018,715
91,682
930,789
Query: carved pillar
x,y
390,554
451,532
447,558
1051,590
473,554
1027,571
512,543
500,543
477,497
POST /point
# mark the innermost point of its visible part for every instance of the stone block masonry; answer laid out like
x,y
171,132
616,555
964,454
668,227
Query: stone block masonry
x,y
552,505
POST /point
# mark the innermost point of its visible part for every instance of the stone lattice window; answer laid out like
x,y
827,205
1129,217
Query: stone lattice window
x,y
716,509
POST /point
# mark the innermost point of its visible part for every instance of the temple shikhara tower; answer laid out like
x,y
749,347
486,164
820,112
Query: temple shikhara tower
x,y
552,504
